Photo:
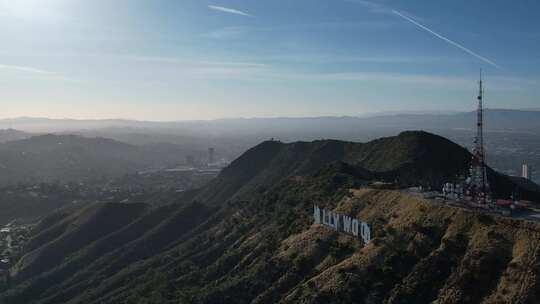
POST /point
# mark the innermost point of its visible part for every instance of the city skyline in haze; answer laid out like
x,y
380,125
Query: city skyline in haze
x,y
186,60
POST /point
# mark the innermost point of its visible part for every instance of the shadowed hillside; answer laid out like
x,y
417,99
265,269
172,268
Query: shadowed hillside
x,y
11,135
69,158
412,158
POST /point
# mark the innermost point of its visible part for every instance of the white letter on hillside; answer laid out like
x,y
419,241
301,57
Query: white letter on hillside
x,y
366,233
317,214
355,227
347,224
336,220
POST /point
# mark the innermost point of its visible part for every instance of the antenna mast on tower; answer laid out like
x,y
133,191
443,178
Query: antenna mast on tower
x,y
478,184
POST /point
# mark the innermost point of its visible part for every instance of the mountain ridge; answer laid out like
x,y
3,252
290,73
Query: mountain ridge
x,y
496,119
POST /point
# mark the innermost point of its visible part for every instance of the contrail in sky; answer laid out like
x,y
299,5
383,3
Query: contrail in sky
x,y
25,69
447,40
229,10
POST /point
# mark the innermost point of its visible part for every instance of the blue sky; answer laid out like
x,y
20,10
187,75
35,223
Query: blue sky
x,y
198,59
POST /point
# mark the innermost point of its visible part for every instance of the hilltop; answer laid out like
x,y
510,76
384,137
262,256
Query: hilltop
x,y
412,158
71,158
248,237
11,135
66,157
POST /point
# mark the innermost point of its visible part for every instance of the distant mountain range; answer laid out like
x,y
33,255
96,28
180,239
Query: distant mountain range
x,y
496,119
248,237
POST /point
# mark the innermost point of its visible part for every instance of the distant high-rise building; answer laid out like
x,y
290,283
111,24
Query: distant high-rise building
x,y
525,171
211,155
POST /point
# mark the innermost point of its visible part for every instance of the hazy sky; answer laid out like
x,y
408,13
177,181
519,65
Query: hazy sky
x,y
198,59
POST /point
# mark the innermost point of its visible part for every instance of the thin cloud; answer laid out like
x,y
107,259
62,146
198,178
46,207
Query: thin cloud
x,y
384,77
459,46
456,82
206,69
30,73
185,62
25,69
236,32
229,10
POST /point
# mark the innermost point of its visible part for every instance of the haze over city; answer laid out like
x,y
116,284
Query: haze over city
x,y
184,60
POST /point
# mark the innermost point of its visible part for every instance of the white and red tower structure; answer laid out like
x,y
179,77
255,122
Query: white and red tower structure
x,y
478,183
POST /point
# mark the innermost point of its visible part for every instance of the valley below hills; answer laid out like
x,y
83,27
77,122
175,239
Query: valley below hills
x,y
247,236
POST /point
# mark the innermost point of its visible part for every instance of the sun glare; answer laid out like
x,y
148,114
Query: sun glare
x,y
31,9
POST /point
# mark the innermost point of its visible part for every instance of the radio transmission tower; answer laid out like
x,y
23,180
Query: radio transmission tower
x,y
478,185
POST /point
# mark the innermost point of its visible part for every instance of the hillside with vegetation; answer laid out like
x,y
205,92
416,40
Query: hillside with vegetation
x,y
248,236
12,135
69,158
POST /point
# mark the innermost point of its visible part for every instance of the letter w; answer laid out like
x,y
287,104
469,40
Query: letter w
x,y
347,224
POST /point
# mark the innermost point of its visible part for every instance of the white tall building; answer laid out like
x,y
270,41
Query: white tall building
x,y
525,171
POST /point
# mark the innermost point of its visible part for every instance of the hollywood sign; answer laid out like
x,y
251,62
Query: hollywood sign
x,y
342,223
